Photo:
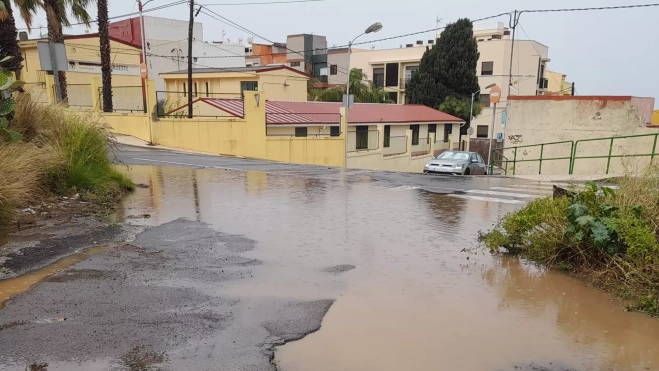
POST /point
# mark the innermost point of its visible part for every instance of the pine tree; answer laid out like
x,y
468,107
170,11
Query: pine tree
x,y
9,40
448,70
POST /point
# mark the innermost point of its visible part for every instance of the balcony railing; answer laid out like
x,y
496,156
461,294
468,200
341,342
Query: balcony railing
x,y
403,82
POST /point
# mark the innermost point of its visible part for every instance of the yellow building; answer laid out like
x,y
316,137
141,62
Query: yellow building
x,y
84,59
278,82
655,117
556,84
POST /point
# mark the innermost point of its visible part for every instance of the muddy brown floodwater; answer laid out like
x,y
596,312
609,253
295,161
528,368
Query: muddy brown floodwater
x,y
413,301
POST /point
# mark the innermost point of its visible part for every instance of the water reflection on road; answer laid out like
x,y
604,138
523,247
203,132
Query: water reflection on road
x,y
414,301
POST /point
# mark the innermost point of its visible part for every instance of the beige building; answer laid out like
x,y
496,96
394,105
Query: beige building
x,y
392,69
279,82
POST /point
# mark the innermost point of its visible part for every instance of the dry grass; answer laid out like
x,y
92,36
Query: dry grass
x,y
23,168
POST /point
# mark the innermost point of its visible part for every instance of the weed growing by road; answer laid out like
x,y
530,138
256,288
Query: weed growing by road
x,y
608,237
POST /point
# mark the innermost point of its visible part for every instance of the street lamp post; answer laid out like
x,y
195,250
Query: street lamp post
x,y
142,36
375,27
473,95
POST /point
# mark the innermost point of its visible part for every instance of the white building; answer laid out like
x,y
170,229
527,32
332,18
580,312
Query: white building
x,y
167,46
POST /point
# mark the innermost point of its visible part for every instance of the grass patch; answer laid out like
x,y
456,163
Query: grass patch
x,y
606,236
61,153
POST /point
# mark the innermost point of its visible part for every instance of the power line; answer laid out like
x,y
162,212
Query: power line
x,y
265,3
593,8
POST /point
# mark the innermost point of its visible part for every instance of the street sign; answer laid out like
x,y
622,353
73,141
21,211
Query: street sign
x,y
495,94
348,101
503,119
144,71
499,137
47,55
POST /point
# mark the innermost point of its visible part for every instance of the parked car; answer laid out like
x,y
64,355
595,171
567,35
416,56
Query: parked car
x,y
456,162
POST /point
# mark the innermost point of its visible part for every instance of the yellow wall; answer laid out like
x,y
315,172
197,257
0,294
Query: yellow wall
x,y
84,49
655,117
277,85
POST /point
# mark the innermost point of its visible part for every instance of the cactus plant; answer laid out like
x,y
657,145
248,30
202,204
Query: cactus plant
x,y
7,104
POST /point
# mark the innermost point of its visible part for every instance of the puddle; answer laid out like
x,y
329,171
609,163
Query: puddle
x,y
414,300
18,285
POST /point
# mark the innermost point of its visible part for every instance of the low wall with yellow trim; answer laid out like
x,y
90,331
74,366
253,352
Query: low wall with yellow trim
x,y
315,151
135,125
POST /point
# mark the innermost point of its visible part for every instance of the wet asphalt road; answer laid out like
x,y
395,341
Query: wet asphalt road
x,y
436,184
185,295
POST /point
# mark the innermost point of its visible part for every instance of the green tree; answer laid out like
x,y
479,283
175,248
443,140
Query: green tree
x,y
459,107
56,17
106,64
9,39
448,70
364,91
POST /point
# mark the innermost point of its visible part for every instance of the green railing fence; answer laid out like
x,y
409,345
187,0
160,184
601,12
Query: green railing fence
x,y
572,156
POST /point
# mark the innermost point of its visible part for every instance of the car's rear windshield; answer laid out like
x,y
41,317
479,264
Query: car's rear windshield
x,y
450,155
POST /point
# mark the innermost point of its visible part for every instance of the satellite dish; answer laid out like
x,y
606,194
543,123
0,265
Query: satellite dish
x,y
470,131
250,40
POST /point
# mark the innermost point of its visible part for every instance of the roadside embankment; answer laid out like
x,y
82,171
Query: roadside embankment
x,y
607,237
57,154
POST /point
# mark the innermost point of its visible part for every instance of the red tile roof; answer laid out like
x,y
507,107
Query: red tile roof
x,y
290,113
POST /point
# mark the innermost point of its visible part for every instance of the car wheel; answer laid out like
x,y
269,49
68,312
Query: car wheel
x,y
467,172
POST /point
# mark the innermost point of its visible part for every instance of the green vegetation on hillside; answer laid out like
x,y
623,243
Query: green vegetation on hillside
x,y
606,236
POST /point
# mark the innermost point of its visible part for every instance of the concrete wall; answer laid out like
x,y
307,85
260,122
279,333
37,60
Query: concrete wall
x,y
340,59
545,119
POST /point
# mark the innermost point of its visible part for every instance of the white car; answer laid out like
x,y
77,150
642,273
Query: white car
x,y
457,163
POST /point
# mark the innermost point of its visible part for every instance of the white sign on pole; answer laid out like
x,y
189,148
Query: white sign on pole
x,y
45,59
348,101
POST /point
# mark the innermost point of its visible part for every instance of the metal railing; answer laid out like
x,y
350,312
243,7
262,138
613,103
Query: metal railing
x,y
126,99
610,155
395,146
572,156
363,141
80,95
403,82
423,147
505,161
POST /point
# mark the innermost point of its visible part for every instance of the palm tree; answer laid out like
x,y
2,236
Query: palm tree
x,y
104,39
56,17
9,40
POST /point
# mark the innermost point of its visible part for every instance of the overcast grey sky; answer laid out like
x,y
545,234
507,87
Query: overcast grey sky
x,y
610,52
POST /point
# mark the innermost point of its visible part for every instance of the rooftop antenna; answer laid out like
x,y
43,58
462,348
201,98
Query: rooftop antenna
x,y
438,21
240,40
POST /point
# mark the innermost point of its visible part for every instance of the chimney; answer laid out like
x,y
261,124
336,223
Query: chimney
x,y
419,42
409,45
430,42
22,36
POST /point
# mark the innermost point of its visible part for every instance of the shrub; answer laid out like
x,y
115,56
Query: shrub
x,y
609,237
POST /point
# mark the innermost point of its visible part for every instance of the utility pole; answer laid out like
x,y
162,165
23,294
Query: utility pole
x,y
513,24
190,29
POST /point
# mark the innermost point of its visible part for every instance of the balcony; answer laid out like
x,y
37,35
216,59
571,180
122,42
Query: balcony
x,y
403,82
543,84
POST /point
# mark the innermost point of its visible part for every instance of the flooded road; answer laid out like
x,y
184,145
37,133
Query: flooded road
x,y
378,249
414,300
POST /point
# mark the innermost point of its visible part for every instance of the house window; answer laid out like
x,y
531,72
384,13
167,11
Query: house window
x,y
487,68
335,131
295,64
393,96
362,137
248,86
481,131
432,128
387,136
415,134
208,91
334,69
485,100
391,78
301,132
185,90
496,37
448,130
378,77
